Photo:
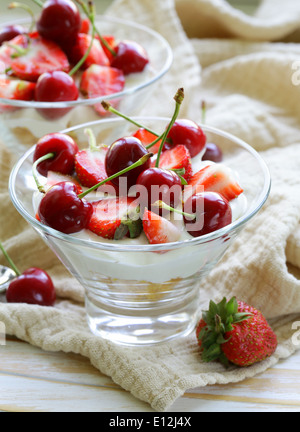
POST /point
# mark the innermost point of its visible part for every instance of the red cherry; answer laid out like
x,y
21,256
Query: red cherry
x,y
188,133
122,154
34,286
213,153
62,209
212,212
131,57
9,32
64,149
158,184
59,21
55,86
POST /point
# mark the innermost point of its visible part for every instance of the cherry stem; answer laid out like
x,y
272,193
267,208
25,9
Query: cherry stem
x,y
104,42
203,109
38,3
11,263
178,99
92,140
83,59
16,5
162,205
138,163
40,187
108,107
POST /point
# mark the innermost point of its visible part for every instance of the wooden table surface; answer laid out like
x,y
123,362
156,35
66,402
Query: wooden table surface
x,y
32,380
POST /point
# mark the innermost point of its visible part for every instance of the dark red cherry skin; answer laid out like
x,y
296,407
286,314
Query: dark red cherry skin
x,y
213,153
123,153
59,21
9,32
190,134
212,211
55,86
62,209
157,183
64,148
34,286
131,57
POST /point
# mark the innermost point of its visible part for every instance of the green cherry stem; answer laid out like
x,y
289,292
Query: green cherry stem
x,y
38,3
203,110
162,205
87,13
138,163
83,59
10,261
178,100
18,5
40,187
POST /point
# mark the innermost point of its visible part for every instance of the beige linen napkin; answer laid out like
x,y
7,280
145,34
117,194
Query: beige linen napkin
x,y
247,76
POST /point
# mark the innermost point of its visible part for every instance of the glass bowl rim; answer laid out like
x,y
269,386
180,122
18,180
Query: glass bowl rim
x,y
87,102
259,202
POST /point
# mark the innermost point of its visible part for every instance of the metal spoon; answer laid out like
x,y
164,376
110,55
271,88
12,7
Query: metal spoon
x,y
6,276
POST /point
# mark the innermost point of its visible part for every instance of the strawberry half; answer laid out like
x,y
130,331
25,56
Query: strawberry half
x,y
177,158
90,166
147,138
96,56
114,218
159,230
235,332
215,178
15,90
100,81
39,56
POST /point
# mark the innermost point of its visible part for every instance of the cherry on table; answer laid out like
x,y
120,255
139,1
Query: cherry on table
x,y
64,149
63,210
190,134
213,153
123,153
59,21
211,212
34,286
9,32
130,57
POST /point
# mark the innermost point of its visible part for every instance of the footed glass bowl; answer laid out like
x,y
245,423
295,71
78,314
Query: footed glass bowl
x,y
22,122
137,293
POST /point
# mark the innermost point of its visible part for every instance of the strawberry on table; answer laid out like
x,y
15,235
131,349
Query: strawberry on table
x,y
232,331
215,177
100,81
159,230
15,90
177,158
96,56
114,218
36,57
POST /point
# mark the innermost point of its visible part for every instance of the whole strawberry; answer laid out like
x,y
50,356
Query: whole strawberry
x,y
232,331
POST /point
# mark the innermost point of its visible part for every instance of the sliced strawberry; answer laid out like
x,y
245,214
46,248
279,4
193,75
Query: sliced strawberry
x,y
215,177
158,229
147,138
15,90
40,56
85,26
53,178
96,56
178,157
111,42
114,218
90,166
100,81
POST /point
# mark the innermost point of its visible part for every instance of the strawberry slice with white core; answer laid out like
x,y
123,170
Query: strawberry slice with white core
x,y
215,177
100,81
159,230
177,158
39,56
114,218
15,90
90,166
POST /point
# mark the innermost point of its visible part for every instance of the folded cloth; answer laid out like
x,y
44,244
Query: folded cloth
x,y
241,66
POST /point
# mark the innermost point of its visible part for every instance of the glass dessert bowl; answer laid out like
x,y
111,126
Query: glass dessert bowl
x,y
22,122
139,293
